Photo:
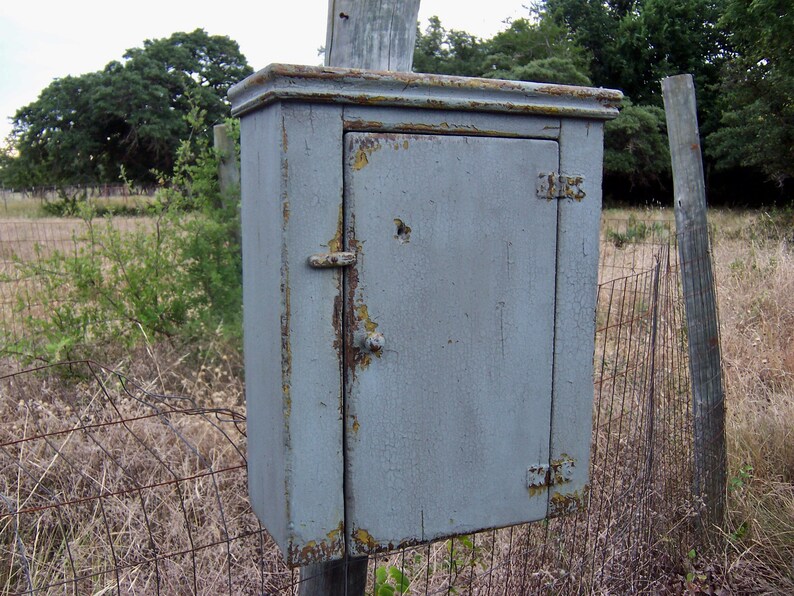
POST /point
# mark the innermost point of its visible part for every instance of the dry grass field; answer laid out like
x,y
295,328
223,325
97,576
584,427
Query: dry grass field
x,y
753,255
135,481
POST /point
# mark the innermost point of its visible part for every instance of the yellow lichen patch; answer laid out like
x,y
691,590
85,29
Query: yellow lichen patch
x,y
362,313
316,552
335,243
363,359
365,541
335,536
565,503
536,491
285,388
361,156
360,160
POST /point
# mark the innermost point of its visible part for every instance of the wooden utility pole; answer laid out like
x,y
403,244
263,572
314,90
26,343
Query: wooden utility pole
x,y
375,35
708,407
371,34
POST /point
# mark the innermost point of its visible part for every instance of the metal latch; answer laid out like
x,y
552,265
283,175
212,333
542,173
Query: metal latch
x,y
559,471
552,185
332,259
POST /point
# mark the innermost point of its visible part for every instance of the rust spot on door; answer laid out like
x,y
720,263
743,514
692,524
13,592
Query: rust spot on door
x,y
317,552
286,348
403,231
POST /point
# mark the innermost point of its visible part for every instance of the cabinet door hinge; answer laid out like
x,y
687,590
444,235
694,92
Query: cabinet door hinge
x,y
552,185
558,472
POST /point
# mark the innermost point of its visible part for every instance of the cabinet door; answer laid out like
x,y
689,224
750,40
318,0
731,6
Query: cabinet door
x,y
449,330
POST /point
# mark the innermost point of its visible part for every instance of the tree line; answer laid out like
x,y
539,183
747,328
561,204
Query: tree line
x,y
739,52
128,119
125,121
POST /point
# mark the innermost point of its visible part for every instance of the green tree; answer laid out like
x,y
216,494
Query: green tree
x,y
84,129
636,151
529,50
757,126
540,50
636,43
593,24
447,51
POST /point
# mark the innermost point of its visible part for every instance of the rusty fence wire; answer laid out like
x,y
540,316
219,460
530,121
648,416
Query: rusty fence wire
x,y
27,241
25,247
109,486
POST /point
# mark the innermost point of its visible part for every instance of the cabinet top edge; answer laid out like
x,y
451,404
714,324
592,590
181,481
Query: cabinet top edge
x,y
323,84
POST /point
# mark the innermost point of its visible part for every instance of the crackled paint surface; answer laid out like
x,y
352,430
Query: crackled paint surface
x,y
408,395
457,271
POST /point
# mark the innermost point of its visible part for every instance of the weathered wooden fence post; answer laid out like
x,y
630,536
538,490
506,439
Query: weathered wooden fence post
x,y
708,406
228,167
376,35
228,173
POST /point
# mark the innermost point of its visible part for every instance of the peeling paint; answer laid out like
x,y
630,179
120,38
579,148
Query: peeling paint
x,y
558,471
360,161
441,128
365,541
403,231
317,552
560,186
336,320
537,477
286,348
562,469
332,259
353,355
366,148
335,243
567,503
362,313
280,82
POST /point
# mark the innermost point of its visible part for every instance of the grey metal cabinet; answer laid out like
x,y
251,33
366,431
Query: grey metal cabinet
x,y
420,260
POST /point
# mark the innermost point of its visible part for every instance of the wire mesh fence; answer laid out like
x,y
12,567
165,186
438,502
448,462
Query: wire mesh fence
x,y
110,486
28,241
25,247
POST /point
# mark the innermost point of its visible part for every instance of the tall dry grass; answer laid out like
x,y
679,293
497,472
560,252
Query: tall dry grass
x,y
754,267
155,539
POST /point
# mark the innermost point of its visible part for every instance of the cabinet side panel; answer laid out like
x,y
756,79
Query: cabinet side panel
x,y
581,150
263,305
312,216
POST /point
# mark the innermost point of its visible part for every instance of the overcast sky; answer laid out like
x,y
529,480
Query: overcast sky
x,y
41,40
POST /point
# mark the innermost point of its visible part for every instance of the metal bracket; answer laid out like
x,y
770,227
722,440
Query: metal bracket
x,y
332,259
559,471
552,185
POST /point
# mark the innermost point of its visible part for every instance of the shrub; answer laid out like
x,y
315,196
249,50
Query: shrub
x,y
179,278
